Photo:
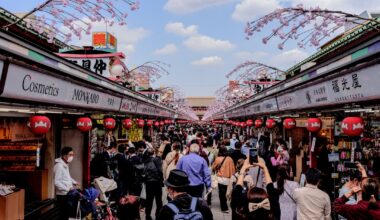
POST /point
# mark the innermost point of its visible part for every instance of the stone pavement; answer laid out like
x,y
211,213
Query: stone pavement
x,y
215,207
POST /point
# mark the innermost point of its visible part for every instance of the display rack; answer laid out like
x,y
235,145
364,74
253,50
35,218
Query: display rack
x,y
20,156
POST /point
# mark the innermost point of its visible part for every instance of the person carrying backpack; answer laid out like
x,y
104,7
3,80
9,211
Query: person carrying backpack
x,y
183,206
136,176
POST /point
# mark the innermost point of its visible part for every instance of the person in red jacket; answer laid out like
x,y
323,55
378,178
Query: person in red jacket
x,y
368,206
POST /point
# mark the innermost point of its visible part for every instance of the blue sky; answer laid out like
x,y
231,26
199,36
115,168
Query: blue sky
x,y
202,40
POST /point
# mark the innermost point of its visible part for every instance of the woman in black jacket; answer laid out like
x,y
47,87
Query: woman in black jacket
x,y
256,203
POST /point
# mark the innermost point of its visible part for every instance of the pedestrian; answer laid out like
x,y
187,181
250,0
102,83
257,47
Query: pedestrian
x,y
137,172
108,166
233,140
236,154
312,203
283,153
224,168
171,159
246,146
182,203
63,181
153,182
124,168
285,188
368,207
197,169
263,145
257,203
165,147
248,181
354,180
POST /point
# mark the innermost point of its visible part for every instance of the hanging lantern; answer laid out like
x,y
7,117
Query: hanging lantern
x,y
168,122
162,123
127,123
243,124
258,123
39,124
314,124
140,123
156,124
270,123
353,126
109,123
249,122
149,123
237,123
289,123
84,124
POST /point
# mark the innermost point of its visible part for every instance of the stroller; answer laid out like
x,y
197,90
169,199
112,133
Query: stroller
x,y
82,202
105,209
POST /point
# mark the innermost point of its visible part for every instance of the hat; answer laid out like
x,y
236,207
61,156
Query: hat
x,y
177,178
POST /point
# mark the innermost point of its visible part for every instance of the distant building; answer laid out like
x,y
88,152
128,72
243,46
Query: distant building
x,y
200,104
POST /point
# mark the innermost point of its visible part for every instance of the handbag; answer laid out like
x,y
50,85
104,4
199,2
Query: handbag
x,y
214,177
143,192
78,213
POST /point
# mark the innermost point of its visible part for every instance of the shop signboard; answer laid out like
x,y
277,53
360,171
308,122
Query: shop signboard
x,y
269,105
104,40
145,109
128,106
26,84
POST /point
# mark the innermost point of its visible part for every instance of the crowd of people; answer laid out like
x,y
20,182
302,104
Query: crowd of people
x,y
193,162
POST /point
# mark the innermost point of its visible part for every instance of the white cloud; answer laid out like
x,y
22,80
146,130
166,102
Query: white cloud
x,y
205,61
246,10
287,59
246,55
166,50
190,6
203,42
179,28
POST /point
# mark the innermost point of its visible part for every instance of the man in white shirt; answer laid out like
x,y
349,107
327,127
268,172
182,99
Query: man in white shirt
x,y
62,180
312,203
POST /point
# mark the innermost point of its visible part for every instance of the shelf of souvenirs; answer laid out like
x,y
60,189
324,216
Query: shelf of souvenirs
x,y
19,167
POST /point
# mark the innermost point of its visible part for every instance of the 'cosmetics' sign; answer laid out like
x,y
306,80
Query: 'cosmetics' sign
x,y
37,87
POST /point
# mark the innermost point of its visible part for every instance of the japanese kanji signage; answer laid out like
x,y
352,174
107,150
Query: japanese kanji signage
x,y
96,65
104,40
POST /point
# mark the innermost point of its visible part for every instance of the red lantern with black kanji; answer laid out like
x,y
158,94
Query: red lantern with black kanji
x,y
258,123
314,124
270,123
109,123
243,124
249,122
84,124
149,123
127,123
353,126
156,124
162,123
39,124
140,123
289,123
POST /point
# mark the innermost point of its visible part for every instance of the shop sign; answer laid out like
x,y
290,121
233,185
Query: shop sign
x,y
147,109
104,40
269,105
22,83
99,66
128,105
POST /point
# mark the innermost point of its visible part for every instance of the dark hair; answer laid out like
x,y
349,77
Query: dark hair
x,y
131,150
121,148
222,150
266,134
282,175
66,150
150,151
147,138
176,146
355,174
282,142
257,195
371,192
238,145
313,176
164,138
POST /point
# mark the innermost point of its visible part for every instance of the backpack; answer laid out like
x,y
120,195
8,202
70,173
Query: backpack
x,y
138,171
186,214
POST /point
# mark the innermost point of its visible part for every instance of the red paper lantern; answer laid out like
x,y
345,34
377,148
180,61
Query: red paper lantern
x,y
270,123
249,122
149,123
353,126
289,123
258,123
243,124
157,124
140,123
162,123
127,123
237,123
39,124
314,124
109,123
168,122
84,124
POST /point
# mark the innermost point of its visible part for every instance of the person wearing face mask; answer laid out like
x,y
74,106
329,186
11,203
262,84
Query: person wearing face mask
x,y
233,141
63,181
181,202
